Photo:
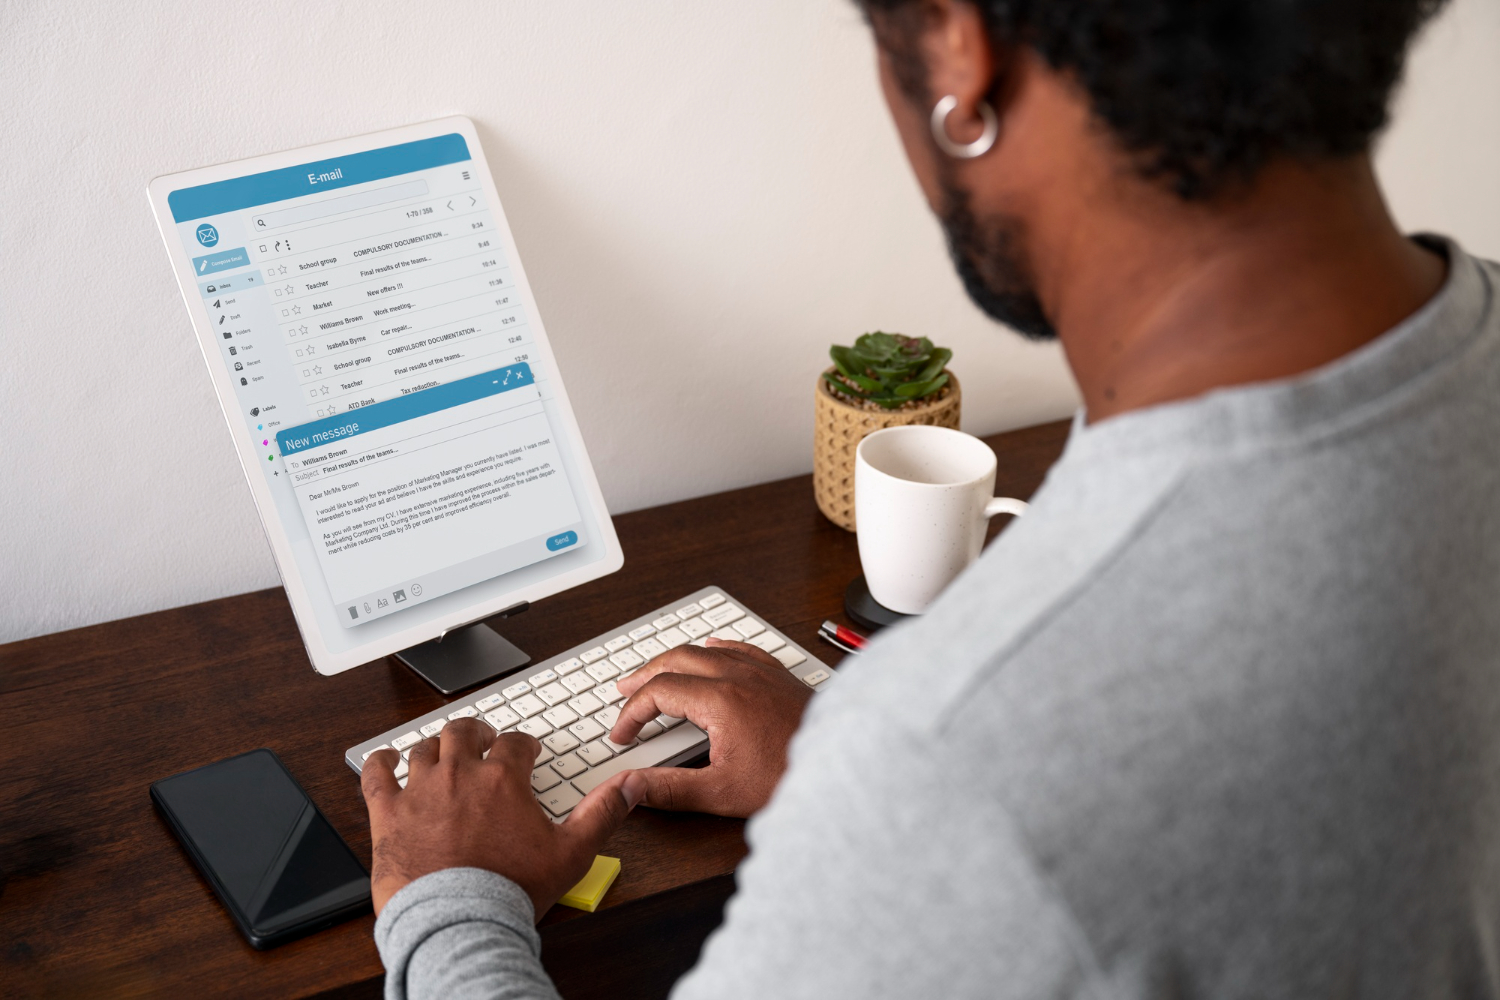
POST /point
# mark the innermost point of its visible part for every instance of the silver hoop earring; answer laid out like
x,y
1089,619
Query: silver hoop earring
x,y
978,147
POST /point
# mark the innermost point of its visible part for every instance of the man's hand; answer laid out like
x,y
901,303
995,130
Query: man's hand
x,y
460,809
747,703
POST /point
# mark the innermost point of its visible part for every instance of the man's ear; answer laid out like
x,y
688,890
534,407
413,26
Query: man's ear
x,y
961,62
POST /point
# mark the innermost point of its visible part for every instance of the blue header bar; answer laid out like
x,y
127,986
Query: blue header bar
x,y
331,430
323,175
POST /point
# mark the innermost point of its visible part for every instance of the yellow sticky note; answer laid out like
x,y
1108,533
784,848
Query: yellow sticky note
x,y
592,887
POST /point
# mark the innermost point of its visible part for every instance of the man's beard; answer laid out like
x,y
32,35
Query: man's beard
x,y
989,257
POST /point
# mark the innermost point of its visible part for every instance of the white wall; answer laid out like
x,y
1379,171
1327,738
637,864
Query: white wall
x,y
706,194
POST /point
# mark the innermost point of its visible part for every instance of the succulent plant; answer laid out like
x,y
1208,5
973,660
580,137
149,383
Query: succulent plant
x,y
889,369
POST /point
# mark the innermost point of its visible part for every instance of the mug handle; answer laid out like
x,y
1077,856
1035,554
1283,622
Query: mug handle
x,y
1004,505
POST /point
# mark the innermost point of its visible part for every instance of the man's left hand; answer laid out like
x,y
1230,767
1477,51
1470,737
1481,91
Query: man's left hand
x,y
461,809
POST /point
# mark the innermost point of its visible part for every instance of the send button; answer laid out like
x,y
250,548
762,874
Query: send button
x,y
562,541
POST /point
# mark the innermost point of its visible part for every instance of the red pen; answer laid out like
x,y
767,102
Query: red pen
x,y
848,635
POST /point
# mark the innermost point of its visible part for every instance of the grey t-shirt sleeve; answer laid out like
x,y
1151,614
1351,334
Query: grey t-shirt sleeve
x,y
461,933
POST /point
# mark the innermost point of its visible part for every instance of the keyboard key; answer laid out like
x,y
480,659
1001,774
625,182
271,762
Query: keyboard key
x,y
467,712
650,730
816,677
595,753
667,721
627,659
560,717
648,648
579,682
748,627
665,621
618,643
403,768
560,800
640,633
527,706
566,667
434,727
665,746
542,755
691,611
490,702
607,717
586,729
545,677
700,643
537,727
614,747
366,754
402,781
695,628
516,690
769,641
544,778
722,615
554,694
711,601
607,693
406,740
672,638
597,653
728,633
788,656
569,765
602,671
586,704
502,719
560,742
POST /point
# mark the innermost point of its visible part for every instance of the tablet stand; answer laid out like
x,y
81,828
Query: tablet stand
x,y
468,655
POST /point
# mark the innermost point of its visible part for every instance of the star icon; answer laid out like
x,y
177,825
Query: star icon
x,y
282,269
302,329
297,310
317,369
311,348
325,390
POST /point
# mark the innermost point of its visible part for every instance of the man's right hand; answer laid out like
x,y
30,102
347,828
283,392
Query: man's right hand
x,y
745,700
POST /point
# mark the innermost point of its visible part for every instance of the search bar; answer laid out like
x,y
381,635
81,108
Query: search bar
x,y
337,206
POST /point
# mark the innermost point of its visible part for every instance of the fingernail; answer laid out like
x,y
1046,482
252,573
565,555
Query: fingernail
x,y
633,788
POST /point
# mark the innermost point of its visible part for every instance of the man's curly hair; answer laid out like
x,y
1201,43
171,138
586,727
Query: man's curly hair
x,y
1203,93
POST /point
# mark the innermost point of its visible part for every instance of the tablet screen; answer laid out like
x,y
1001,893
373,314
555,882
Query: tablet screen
x,y
385,369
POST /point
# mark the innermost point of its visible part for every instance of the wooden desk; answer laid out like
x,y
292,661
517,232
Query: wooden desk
x,y
97,899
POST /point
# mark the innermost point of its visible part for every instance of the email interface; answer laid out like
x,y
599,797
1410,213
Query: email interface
x,y
386,373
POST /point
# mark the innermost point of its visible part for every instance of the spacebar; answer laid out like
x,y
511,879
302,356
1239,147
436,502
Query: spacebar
x,y
668,744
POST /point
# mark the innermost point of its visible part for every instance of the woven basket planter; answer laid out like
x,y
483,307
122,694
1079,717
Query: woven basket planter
x,y
840,427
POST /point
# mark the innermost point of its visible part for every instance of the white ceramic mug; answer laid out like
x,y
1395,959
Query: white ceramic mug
x,y
922,499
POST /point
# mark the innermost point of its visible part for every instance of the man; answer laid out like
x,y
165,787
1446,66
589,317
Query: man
x,y
1220,717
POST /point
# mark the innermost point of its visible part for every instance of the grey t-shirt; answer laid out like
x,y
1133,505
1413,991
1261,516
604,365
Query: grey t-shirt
x,y
1219,717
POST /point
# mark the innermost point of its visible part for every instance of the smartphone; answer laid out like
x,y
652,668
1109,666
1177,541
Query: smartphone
x,y
273,859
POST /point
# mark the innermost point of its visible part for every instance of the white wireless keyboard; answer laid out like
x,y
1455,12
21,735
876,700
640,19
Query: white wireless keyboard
x,y
570,702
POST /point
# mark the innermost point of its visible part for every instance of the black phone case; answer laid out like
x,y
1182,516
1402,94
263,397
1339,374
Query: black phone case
x,y
260,942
